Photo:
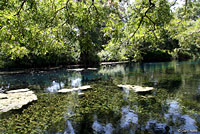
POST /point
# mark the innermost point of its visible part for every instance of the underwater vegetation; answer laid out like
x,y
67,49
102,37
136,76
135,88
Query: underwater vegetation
x,y
108,109
105,104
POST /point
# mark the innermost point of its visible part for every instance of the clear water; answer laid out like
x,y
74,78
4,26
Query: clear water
x,y
173,107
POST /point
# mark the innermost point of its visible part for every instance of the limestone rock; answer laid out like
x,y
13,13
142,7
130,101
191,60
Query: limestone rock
x,y
76,69
18,91
92,69
3,96
15,99
81,94
74,89
136,88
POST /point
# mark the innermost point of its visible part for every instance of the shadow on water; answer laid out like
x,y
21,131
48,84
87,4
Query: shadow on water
x,y
171,108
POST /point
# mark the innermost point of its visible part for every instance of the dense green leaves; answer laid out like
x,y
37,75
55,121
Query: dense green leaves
x,y
67,31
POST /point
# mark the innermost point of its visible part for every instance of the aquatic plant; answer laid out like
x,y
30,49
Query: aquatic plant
x,y
45,114
105,105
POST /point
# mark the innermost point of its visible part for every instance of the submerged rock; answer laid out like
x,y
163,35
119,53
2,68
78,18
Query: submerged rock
x,y
76,69
81,94
15,99
136,88
74,89
92,69
3,96
18,91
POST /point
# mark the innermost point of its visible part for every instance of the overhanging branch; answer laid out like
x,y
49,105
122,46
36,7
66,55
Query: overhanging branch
x,y
173,3
59,10
93,6
142,18
21,7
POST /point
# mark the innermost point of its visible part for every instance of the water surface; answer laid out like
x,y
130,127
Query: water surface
x,y
173,107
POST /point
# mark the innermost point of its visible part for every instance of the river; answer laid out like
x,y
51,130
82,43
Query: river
x,y
172,108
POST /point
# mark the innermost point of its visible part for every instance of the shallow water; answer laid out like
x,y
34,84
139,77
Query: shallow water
x,y
173,107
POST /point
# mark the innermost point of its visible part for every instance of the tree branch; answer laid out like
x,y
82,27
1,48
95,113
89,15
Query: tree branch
x,y
186,2
58,11
154,24
1,27
141,20
173,3
93,6
21,7
145,15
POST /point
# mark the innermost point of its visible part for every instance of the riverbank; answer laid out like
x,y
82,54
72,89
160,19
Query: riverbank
x,y
75,67
78,67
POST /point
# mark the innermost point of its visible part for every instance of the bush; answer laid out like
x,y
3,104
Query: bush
x,y
181,54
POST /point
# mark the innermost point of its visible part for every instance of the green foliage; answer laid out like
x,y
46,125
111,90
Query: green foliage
x,y
50,33
185,29
113,52
50,29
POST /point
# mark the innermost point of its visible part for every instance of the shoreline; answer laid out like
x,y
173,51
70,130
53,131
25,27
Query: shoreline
x,y
76,67
68,67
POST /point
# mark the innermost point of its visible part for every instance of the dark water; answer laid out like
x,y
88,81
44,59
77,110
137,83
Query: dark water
x,y
173,107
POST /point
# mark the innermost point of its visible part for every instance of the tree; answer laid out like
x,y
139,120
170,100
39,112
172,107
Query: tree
x,y
53,32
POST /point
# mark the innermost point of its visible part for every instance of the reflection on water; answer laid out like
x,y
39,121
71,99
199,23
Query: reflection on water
x,y
99,128
189,123
175,116
155,74
55,86
126,91
116,111
112,70
69,129
155,127
173,107
128,117
76,83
